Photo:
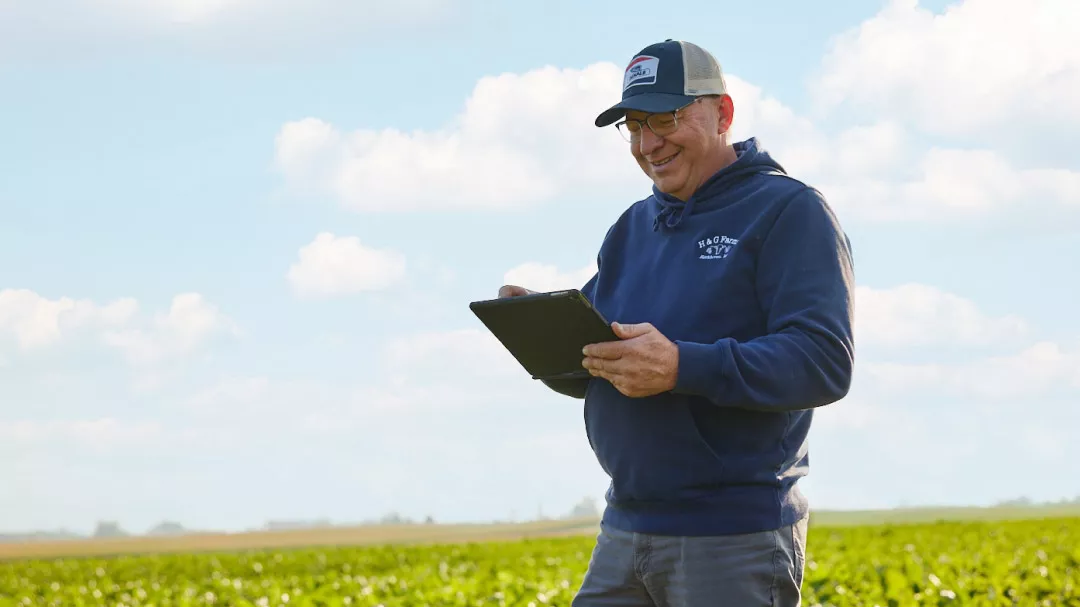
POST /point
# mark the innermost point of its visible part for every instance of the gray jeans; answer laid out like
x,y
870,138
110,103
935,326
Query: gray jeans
x,y
749,570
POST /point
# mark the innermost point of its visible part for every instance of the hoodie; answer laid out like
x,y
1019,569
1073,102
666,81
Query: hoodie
x,y
752,279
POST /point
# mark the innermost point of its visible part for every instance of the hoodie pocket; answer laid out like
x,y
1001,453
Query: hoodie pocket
x,y
695,423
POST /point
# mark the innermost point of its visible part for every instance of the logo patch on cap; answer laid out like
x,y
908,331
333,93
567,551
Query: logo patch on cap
x,y
642,70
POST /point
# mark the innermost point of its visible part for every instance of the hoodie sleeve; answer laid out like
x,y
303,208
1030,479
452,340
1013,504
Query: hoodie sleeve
x,y
805,283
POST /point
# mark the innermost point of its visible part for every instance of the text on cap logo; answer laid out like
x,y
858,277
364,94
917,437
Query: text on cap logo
x,y
642,70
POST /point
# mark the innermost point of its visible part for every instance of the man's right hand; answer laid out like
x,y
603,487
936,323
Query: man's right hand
x,y
513,291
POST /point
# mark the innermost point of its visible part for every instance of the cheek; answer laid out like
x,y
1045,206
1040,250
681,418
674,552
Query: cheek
x,y
688,139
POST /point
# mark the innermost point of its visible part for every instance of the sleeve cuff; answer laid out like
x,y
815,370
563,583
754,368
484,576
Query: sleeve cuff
x,y
702,369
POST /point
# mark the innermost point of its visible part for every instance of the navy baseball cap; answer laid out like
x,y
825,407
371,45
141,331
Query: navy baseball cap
x,y
665,76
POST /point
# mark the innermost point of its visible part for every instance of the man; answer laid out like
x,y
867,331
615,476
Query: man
x,y
731,287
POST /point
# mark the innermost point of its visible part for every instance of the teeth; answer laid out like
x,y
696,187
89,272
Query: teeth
x,y
665,161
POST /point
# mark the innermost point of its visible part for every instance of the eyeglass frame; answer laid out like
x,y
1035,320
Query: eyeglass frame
x,y
674,116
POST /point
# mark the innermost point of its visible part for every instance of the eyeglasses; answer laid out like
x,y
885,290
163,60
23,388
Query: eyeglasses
x,y
661,124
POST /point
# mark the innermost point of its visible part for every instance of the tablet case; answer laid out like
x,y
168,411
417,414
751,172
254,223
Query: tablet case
x,y
546,332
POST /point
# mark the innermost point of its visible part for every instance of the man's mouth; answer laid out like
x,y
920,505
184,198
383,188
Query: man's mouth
x,y
665,161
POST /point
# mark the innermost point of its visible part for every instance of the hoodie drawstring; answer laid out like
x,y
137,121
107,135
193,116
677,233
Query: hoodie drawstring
x,y
672,213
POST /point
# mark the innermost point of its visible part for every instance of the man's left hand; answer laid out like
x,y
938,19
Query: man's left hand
x,y
642,363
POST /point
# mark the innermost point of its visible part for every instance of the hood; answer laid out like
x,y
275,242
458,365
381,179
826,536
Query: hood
x,y
751,159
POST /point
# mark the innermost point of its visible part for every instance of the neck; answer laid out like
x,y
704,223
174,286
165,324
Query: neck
x,y
724,158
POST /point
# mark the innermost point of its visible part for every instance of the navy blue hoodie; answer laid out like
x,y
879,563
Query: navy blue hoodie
x,y
752,278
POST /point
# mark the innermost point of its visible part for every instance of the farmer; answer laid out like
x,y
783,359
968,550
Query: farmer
x,y
731,290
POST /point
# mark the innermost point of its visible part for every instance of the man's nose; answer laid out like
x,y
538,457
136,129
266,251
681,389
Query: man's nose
x,y
649,140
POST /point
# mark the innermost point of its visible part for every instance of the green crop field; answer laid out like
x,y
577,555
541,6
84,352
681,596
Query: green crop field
x,y
1032,562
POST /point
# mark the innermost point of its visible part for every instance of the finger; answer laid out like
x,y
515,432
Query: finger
x,y
607,350
624,331
595,364
600,364
511,291
613,378
612,367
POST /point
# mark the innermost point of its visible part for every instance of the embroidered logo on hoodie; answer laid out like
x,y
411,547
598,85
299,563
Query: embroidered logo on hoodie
x,y
716,247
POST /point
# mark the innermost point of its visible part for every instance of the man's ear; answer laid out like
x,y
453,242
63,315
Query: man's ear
x,y
726,112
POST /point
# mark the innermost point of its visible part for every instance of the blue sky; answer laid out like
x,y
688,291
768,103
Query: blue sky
x,y
237,247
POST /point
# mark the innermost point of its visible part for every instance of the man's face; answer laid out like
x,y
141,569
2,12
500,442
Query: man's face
x,y
680,161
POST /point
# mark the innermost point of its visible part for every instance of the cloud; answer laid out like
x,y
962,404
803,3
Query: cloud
x,y
37,322
546,277
229,392
453,369
954,184
336,265
923,315
980,65
247,28
489,158
190,322
1043,369
929,442
99,434
875,172
519,139
428,351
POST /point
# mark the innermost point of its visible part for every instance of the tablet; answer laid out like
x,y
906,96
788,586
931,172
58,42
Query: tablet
x,y
546,332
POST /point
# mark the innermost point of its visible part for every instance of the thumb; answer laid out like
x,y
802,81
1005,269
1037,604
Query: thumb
x,y
627,331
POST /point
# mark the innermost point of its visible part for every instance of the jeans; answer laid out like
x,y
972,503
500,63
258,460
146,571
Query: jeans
x,y
748,570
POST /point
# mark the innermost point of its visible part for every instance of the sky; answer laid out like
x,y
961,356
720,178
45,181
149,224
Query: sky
x,y
238,241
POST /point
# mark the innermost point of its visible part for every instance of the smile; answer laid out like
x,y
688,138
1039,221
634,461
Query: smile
x,y
666,161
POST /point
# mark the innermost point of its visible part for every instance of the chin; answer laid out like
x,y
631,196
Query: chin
x,y
667,184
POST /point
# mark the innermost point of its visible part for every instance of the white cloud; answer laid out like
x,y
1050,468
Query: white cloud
x,y
1040,370
980,65
454,370
103,433
451,369
546,277
190,322
248,28
953,184
875,172
520,139
334,265
36,321
230,392
424,352
922,315
490,158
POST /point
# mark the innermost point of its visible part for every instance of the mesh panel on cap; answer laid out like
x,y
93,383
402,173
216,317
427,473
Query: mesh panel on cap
x,y
703,76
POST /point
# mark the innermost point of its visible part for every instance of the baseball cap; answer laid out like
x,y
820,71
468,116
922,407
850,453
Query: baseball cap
x,y
665,76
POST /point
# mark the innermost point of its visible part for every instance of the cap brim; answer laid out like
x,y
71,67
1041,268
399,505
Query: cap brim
x,y
646,102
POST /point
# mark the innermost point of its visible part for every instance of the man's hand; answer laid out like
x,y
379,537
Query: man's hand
x,y
513,291
642,363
